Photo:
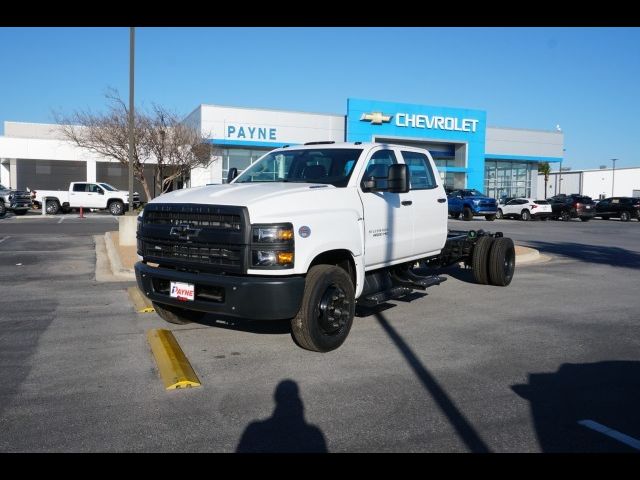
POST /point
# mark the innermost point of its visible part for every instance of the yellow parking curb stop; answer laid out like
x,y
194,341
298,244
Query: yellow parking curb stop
x,y
175,370
141,304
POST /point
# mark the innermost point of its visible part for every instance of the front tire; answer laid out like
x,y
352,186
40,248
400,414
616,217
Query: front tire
x,y
499,214
52,207
3,210
467,214
176,315
565,216
625,217
455,215
502,262
480,260
116,208
490,218
328,307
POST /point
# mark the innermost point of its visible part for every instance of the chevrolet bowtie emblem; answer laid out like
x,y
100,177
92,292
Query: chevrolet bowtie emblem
x,y
376,118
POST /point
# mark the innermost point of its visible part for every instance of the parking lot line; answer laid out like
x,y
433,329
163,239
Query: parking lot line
x,y
174,367
610,432
3,239
61,220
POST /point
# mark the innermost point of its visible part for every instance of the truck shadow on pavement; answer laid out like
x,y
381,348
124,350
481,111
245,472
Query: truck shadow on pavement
x,y
286,431
452,413
272,327
615,256
604,392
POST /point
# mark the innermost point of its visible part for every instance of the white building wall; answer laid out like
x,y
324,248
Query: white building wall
x,y
595,183
528,143
269,126
5,177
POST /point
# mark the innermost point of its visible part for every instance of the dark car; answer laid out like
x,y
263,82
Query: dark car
x,y
566,207
470,202
624,208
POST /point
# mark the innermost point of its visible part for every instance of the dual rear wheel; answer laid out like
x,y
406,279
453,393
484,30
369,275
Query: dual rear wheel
x,y
493,261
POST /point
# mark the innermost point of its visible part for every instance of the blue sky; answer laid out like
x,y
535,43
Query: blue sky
x,y
587,80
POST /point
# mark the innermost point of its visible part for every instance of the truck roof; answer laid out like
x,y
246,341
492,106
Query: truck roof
x,y
331,144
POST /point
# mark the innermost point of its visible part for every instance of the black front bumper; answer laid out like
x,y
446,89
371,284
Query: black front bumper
x,y
249,297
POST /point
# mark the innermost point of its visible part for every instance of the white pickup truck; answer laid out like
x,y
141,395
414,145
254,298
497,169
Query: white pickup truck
x,y
96,195
305,234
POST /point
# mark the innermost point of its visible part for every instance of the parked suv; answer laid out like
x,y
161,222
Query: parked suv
x,y
566,207
471,203
16,201
624,208
525,209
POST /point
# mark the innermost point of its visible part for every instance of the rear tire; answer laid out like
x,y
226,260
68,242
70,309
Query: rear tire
x,y
502,262
565,216
525,215
467,214
585,219
490,218
327,310
499,214
3,210
625,216
177,315
605,217
480,260
455,215
52,207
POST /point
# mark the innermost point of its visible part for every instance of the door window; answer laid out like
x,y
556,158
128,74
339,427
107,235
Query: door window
x,y
420,173
378,167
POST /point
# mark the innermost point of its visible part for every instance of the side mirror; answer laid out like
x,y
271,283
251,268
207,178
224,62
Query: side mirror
x,y
369,185
100,191
398,178
233,173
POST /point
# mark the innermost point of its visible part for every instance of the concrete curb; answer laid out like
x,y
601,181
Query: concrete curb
x,y
108,265
114,259
526,255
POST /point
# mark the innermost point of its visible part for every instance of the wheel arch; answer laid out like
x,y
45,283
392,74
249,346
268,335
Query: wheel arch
x,y
340,258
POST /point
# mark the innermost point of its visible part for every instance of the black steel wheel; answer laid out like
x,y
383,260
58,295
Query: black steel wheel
x,y
176,315
502,262
480,260
328,307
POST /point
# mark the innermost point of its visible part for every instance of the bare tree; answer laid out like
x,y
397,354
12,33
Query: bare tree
x,y
161,140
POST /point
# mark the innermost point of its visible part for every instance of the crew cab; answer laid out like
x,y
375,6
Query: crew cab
x,y
525,209
304,234
95,195
471,203
16,201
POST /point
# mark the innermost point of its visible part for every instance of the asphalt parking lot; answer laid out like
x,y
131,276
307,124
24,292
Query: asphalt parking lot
x,y
459,368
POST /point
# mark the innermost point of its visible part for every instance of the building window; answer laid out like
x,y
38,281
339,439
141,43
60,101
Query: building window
x,y
240,158
508,179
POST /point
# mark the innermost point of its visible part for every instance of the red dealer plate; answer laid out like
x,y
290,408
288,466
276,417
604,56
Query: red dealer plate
x,y
183,291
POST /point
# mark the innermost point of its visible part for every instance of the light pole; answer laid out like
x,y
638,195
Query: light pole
x,y
132,39
613,175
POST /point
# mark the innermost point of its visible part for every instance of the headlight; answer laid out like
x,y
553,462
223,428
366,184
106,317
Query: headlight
x,y
272,246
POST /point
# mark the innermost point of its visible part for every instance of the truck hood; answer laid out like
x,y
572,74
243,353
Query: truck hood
x,y
240,194
269,201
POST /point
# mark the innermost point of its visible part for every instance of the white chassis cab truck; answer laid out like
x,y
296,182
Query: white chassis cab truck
x,y
96,195
306,233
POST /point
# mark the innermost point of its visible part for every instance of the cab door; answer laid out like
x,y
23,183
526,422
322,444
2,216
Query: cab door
x,y
388,225
79,195
429,208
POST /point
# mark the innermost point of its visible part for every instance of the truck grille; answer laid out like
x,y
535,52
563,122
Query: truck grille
x,y
195,219
209,238
211,255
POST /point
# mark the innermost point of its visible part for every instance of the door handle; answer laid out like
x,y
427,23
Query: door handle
x,y
442,200
406,202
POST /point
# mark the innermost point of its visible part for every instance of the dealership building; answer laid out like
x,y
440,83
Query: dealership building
x,y
468,152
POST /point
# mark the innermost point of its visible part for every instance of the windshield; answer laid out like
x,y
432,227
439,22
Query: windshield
x,y
323,165
108,187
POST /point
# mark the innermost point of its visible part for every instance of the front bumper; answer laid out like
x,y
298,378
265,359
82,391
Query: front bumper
x,y
249,297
